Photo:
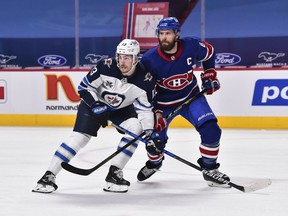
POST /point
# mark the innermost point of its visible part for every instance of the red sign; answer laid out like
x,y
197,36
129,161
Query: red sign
x,y
140,22
1,92
3,89
67,85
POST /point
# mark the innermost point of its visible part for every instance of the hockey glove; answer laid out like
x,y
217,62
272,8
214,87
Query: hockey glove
x,y
155,145
148,132
210,81
100,113
160,122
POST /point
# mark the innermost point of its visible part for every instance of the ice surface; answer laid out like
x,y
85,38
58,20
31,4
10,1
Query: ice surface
x,y
245,155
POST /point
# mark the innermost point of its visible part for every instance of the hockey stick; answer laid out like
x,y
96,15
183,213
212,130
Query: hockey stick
x,y
86,172
186,103
81,171
259,184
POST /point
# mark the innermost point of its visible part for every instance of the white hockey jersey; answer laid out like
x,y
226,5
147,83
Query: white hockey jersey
x,y
105,83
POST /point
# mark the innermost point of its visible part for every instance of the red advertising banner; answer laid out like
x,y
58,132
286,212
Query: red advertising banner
x,y
3,88
140,22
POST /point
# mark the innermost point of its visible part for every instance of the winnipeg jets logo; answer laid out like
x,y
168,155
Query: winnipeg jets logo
x,y
177,82
114,100
148,77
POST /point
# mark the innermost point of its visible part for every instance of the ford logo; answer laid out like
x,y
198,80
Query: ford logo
x,y
52,60
227,59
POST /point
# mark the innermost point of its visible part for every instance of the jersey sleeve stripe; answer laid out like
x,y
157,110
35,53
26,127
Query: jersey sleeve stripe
x,y
210,51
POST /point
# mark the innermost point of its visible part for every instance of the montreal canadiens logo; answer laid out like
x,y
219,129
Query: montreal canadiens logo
x,y
178,82
225,59
52,60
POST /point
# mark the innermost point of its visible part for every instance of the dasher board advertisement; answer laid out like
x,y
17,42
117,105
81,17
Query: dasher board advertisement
x,y
248,98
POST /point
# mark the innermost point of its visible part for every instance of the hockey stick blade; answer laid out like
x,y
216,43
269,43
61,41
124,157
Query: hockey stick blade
x,y
258,185
255,186
76,170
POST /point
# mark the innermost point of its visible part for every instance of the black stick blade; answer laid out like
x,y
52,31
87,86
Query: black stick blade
x,y
76,170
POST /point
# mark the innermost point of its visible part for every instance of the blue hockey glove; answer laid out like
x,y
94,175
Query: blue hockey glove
x,y
210,81
155,145
100,113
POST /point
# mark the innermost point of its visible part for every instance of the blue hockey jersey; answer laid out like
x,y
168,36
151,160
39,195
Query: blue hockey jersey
x,y
174,73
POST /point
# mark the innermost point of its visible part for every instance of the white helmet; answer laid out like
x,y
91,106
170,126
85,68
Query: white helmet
x,y
128,47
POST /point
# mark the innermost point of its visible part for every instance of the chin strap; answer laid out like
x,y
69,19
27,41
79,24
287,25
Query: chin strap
x,y
131,71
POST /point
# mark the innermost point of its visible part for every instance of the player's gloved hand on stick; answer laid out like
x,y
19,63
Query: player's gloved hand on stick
x,y
154,146
210,81
148,132
101,113
160,122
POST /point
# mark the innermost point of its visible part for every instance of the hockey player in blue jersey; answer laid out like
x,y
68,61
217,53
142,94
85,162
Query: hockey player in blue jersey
x,y
171,62
120,90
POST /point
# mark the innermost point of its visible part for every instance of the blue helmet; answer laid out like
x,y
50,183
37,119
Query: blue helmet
x,y
169,23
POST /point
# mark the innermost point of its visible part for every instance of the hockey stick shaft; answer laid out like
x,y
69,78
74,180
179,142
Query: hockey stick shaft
x,y
86,172
186,103
81,171
256,186
177,157
205,172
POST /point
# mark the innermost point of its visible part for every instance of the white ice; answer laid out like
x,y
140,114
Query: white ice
x,y
245,155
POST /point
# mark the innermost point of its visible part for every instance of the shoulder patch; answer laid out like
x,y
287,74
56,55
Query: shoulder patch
x,y
148,77
108,62
93,70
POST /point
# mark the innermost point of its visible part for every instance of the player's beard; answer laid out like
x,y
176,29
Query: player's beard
x,y
167,46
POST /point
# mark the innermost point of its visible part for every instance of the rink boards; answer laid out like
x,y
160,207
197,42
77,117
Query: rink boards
x,y
248,98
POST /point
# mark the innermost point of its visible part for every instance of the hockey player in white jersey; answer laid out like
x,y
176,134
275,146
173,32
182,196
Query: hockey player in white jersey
x,y
119,90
